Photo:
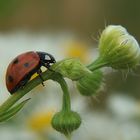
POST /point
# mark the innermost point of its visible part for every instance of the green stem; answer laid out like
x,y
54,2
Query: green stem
x,y
68,137
66,106
32,84
98,63
20,93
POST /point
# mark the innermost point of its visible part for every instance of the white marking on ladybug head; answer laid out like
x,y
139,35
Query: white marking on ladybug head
x,y
47,57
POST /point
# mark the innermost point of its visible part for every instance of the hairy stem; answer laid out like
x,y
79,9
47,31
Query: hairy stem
x,y
68,137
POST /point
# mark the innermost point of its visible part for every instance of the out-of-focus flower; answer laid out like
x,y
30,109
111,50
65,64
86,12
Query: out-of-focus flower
x,y
77,49
40,121
118,48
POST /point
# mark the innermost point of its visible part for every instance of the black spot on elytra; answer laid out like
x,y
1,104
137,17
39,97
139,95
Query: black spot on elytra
x,y
10,78
15,61
26,65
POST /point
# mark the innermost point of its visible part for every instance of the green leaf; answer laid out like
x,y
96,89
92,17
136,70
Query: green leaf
x,y
10,113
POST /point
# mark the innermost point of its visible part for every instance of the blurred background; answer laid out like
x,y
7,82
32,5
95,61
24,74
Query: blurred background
x,y
70,28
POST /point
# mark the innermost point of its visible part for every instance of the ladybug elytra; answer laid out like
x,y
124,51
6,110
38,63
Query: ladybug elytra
x,y
24,66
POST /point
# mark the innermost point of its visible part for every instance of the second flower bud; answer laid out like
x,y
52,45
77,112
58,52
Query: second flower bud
x,y
90,83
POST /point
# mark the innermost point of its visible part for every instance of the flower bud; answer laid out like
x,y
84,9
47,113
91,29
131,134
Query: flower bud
x,y
118,48
66,122
90,83
70,68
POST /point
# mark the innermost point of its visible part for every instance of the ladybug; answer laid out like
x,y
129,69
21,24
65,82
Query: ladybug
x,y
24,66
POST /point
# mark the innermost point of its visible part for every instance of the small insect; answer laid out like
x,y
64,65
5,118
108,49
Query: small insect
x,y
24,66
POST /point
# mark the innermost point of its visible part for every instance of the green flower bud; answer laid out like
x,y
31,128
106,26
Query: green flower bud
x,y
66,122
90,83
70,68
118,48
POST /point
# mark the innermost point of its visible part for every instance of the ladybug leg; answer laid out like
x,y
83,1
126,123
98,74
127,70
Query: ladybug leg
x,y
24,81
39,73
47,65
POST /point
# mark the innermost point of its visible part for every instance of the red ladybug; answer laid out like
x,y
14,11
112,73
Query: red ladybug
x,y
24,66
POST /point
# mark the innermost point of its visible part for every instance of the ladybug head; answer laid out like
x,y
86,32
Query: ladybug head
x,y
46,58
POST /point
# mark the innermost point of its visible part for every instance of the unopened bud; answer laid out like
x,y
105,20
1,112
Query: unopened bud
x,y
90,83
71,68
118,48
66,122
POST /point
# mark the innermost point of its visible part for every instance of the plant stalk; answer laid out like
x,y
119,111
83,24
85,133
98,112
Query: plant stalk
x,y
66,106
98,63
23,91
